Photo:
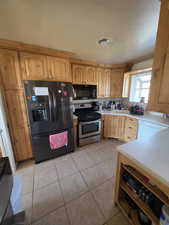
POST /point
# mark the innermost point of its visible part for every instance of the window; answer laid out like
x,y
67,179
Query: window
x,y
140,86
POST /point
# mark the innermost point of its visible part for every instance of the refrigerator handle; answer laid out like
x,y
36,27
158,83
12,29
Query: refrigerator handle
x,y
54,105
50,105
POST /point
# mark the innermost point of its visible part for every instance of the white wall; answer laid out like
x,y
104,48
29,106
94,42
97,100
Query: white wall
x,y
144,64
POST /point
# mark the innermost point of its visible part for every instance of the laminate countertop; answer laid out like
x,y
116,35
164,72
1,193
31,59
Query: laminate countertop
x,y
151,154
148,116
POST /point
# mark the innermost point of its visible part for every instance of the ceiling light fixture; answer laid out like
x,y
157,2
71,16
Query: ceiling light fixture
x,y
105,42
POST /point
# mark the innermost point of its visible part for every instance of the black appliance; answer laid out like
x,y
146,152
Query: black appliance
x,y
6,184
50,112
89,124
84,92
137,110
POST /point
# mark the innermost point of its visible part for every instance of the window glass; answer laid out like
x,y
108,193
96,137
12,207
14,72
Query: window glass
x,y
140,86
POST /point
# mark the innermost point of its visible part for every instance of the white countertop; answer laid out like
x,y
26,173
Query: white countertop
x,y
146,117
151,154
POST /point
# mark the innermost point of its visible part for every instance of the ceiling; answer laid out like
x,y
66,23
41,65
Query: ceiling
x,y
77,25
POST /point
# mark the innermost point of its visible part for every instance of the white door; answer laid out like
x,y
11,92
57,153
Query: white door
x,y
5,141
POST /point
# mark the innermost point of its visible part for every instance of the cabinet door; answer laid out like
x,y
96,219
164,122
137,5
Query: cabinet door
x,y
107,74
90,76
100,85
159,91
16,107
58,69
78,73
22,143
114,126
19,127
33,66
117,78
9,69
131,129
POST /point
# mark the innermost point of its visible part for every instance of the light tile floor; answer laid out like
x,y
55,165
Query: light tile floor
x,y
75,189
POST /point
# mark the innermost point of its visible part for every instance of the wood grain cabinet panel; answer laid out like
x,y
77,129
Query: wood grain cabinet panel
x,y
114,126
100,85
58,69
116,82
78,73
9,69
16,107
22,143
90,76
19,127
33,66
106,78
120,127
159,91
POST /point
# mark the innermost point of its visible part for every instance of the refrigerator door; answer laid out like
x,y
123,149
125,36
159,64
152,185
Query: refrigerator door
x,y
41,146
48,108
63,112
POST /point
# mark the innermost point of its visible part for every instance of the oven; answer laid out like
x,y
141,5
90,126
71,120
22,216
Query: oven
x,y
90,128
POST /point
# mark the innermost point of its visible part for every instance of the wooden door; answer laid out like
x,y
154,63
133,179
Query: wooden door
x,y
159,91
9,69
131,129
19,126
78,72
90,75
107,74
33,66
116,82
100,85
114,126
58,69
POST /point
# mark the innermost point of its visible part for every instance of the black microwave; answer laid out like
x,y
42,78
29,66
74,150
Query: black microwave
x,y
84,92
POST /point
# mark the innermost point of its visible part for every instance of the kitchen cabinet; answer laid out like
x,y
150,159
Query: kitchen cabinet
x,y
90,76
103,76
19,127
120,127
9,69
75,124
33,66
58,69
78,73
114,126
106,79
130,129
100,86
116,82
159,91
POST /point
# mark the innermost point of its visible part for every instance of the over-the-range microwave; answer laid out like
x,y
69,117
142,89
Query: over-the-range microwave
x,y
84,92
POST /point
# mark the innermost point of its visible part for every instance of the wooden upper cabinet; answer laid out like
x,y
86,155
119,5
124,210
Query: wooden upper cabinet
x,y
100,86
116,88
58,69
9,69
78,73
159,91
107,74
90,76
33,66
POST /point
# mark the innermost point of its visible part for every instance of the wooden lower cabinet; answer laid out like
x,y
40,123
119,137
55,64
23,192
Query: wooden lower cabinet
x,y
114,126
22,143
121,127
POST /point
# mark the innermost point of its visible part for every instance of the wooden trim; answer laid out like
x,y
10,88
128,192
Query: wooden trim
x,y
89,63
20,46
139,71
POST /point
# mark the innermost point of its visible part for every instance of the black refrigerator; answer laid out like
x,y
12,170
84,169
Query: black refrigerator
x,y
50,112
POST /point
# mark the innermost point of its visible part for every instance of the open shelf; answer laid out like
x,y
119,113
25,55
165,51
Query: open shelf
x,y
142,205
130,213
144,181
